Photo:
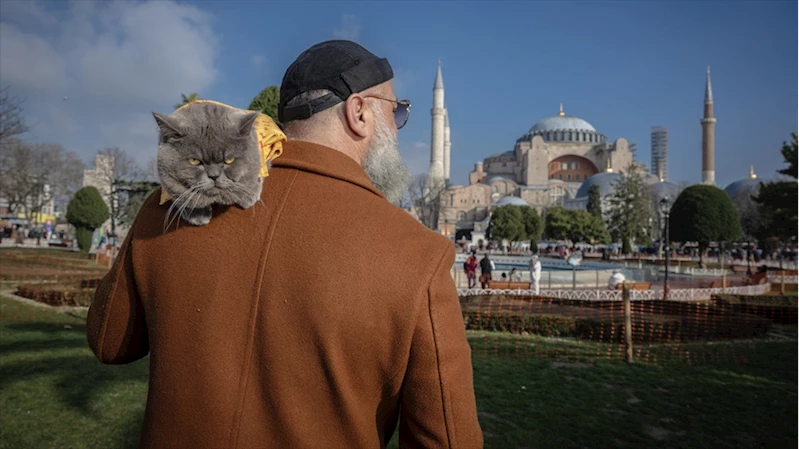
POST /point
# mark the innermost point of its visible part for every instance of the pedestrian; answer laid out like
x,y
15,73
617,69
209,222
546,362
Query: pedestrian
x,y
515,276
470,267
535,274
486,266
243,353
616,279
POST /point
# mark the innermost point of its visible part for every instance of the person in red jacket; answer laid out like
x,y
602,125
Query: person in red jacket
x,y
470,267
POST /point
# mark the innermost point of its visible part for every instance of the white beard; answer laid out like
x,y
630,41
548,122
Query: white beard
x,y
383,162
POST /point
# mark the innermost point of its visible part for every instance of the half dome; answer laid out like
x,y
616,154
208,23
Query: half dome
x,y
604,180
511,201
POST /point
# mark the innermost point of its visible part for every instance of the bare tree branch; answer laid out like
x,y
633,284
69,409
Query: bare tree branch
x,y
12,122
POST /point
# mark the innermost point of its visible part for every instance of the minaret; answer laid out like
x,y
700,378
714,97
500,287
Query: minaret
x,y
435,176
708,137
447,146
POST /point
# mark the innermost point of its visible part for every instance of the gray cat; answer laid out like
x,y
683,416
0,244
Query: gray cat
x,y
208,154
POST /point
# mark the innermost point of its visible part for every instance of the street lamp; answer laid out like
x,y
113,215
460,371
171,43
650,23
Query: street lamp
x,y
665,208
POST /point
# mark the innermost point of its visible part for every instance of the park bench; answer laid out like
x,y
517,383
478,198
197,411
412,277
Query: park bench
x,y
634,285
508,285
756,279
717,284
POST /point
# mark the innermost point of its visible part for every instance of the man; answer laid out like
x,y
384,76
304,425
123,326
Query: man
x,y
535,274
242,354
486,265
470,267
615,280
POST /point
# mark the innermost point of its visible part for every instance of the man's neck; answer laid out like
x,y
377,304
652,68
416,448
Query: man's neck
x,y
351,149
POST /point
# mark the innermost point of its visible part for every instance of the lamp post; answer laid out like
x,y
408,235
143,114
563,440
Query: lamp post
x,y
665,207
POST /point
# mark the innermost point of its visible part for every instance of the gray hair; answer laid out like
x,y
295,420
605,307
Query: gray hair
x,y
296,129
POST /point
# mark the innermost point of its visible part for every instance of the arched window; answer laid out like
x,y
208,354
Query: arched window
x,y
503,188
461,216
493,189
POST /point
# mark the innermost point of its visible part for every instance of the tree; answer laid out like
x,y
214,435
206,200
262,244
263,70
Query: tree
x,y
266,101
629,208
116,182
187,99
533,226
135,193
588,227
425,202
704,214
31,175
507,223
594,201
86,211
789,153
777,204
557,223
12,122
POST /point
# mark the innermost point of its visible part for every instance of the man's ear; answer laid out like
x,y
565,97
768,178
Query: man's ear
x,y
357,115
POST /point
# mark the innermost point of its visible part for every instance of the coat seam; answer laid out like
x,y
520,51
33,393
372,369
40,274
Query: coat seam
x,y
438,356
236,428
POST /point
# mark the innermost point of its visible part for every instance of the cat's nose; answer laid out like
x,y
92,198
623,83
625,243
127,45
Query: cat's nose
x,y
213,172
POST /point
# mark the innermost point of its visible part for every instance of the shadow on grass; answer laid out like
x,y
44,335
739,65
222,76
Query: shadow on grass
x,y
64,355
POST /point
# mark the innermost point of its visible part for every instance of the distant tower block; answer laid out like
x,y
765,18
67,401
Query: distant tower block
x,y
435,176
708,136
660,152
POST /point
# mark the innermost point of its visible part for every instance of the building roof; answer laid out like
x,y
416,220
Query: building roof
x,y
749,185
494,178
439,82
511,200
660,190
562,122
605,181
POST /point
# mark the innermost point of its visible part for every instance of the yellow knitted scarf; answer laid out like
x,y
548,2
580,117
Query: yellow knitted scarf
x,y
270,140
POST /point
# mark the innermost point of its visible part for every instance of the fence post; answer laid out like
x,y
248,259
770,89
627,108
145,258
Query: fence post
x,y
549,276
628,324
597,279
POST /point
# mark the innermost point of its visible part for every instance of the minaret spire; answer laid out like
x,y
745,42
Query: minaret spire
x,y
708,88
708,136
436,180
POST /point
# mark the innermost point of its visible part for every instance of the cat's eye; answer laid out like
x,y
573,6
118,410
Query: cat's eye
x,y
194,161
230,160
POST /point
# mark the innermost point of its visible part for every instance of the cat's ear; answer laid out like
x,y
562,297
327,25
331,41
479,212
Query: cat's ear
x,y
169,127
245,125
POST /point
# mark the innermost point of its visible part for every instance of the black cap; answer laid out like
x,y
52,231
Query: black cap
x,y
342,67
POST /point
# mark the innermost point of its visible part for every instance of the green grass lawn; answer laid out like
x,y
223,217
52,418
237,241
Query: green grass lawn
x,y
54,394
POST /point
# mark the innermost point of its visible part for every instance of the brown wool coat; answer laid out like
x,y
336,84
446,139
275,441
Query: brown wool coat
x,y
316,319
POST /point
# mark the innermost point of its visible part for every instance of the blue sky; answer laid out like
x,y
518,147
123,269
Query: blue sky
x,y
622,66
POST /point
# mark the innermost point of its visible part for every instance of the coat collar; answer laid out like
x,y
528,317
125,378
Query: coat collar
x,y
325,161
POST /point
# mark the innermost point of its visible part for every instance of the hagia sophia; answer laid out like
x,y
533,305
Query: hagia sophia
x,y
554,163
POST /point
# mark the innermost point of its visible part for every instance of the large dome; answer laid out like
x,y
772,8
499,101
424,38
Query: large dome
x,y
561,123
511,200
565,128
604,180
660,190
749,186
743,186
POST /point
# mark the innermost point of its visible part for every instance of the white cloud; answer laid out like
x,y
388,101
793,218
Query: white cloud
x,y
116,62
257,60
349,28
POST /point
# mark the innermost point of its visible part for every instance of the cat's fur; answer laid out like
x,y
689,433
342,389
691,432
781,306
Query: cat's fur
x,y
211,134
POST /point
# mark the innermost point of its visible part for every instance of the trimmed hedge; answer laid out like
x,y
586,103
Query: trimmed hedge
x,y
516,323
651,329
780,309
57,295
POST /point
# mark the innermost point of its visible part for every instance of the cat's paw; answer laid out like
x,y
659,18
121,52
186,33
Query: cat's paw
x,y
249,200
198,217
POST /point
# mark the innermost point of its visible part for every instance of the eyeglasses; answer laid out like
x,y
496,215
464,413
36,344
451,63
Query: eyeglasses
x,y
402,110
